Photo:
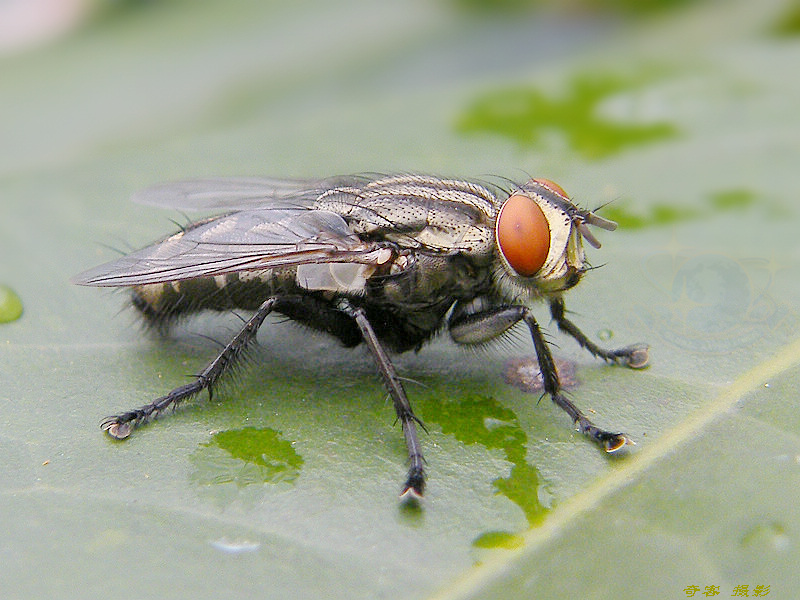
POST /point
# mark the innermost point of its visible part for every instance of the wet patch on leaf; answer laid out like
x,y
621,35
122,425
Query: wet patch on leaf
x,y
245,457
527,116
499,539
485,421
735,199
665,213
788,24
525,375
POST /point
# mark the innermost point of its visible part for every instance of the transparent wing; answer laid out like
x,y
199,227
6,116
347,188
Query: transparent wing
x,y
245,240
237,193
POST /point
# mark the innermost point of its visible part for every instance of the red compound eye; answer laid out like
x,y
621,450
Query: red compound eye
x,y
552,186
523,235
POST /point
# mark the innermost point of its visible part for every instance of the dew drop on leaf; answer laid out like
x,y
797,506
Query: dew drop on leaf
x,y
605,334
10,305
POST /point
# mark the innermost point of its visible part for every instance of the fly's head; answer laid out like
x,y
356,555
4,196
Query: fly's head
x,y
539,237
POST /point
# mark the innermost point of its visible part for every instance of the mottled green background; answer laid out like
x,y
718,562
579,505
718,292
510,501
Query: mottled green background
x,y
681,117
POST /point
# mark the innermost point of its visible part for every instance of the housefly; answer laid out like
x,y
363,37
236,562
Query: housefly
x,y
389,261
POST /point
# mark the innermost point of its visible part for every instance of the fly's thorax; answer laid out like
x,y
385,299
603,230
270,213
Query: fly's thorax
x,y
539,236
430,279
418,212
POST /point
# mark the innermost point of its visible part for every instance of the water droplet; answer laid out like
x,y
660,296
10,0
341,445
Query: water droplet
x,y
235,546
245,457
767,535
10,305
605,334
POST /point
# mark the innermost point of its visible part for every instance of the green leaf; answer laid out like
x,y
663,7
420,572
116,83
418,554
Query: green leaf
x,y
286,483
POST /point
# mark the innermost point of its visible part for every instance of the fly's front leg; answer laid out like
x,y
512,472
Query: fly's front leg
x,y
610,441
479,327
120,426
635,356
415,482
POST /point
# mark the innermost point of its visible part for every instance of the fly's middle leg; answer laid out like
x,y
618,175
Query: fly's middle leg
x,y
120,426
415,482
634,356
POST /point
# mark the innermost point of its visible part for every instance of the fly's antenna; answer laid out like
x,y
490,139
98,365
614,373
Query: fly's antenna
x,y
582,221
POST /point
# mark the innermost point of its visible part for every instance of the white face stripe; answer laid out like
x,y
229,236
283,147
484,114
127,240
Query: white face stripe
x,y
561,227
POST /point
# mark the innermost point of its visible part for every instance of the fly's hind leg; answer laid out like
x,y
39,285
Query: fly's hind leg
x,y
415,482
634,356
120,426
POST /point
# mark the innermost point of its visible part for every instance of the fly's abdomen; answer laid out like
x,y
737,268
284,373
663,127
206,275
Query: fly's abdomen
x,y
162,303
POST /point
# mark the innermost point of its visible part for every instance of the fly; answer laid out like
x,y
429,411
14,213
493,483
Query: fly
x,y
389,261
